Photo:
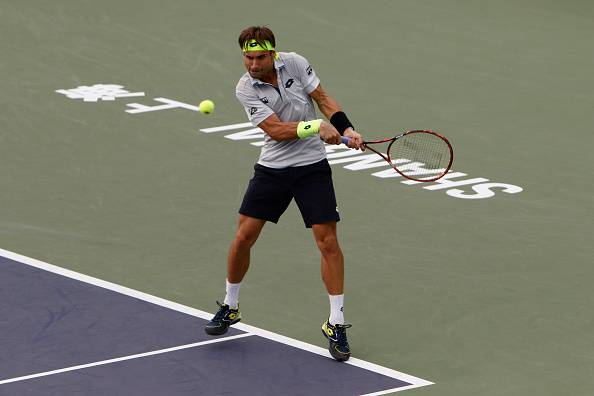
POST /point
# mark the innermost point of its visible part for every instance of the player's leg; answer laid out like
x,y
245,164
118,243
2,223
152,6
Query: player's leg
x,y
314,194
266,198
332,262
315,197
238,260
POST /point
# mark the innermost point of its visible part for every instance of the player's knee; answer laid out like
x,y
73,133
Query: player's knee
x,y
244,239
328,245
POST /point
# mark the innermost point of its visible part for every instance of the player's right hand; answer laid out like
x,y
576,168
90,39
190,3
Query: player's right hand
x,y
329,134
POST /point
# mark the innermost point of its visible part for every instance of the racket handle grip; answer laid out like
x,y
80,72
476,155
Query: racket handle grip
x,y
346,139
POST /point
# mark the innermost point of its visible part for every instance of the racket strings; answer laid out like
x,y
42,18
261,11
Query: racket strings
x,y
427,148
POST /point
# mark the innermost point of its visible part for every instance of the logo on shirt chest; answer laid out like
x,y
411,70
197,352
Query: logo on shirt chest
x,y
264,100
289,82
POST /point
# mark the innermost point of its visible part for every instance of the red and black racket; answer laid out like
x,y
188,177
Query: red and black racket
x,y
423,156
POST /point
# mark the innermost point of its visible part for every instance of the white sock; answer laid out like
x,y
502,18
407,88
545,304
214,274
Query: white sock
x,y
336,309
232,296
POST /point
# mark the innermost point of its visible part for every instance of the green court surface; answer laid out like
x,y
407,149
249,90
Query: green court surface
x,y
485,297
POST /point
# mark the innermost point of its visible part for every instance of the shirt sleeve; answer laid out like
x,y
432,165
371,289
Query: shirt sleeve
x,y
254,108
304,72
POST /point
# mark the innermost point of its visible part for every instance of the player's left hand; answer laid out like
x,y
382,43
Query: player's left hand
x,y
356,140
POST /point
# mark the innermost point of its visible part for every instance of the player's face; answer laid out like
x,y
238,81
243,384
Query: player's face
x,y
259,64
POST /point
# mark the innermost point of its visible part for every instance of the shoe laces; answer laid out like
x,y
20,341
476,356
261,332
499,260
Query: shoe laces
x,y
223,308
340,332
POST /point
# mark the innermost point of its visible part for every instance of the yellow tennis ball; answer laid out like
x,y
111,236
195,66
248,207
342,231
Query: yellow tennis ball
x,y
206,106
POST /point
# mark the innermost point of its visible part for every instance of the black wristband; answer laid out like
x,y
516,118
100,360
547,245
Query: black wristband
x,y
340,121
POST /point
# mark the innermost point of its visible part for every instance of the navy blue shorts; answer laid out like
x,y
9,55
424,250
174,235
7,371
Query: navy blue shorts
x,y
270,192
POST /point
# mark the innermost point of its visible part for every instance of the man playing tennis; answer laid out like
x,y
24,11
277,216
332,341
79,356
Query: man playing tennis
x,y
277,93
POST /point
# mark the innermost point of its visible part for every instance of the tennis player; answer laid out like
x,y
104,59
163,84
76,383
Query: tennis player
x,y
277,93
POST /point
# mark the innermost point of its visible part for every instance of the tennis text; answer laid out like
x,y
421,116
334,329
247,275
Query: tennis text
x,y
455,184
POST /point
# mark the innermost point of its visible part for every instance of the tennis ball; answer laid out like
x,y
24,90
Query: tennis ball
x,y
206,106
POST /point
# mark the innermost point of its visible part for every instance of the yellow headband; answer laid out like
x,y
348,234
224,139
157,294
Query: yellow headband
x,y
253,45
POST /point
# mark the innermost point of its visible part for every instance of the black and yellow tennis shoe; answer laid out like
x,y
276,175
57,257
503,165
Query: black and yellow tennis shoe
x,y
225,317
336,335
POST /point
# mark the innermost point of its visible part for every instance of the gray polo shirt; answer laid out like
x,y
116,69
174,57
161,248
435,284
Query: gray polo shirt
x,y
291,102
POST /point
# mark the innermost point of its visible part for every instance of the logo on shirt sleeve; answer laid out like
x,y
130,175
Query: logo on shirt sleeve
x,y
289,82
309,70
264,100
253,110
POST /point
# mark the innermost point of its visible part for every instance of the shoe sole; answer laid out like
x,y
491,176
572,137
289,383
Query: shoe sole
x,y
214,331
338,356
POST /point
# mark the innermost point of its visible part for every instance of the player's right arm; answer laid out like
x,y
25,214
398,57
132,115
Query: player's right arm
x,y
265,118
279,130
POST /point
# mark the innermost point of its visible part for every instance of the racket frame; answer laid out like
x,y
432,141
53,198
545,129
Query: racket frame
x,y
393,140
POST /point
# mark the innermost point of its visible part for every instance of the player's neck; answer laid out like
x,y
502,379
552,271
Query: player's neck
x,y
270,78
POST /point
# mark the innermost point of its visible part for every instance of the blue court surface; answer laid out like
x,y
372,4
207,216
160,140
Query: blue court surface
x,y
64,333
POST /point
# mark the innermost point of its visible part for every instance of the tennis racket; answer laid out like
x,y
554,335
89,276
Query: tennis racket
x,y
423,156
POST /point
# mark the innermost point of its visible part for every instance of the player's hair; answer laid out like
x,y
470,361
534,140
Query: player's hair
x,y
258,33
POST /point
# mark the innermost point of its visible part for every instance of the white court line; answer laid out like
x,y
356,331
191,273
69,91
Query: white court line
x,y
121,359
227,127
414,381
393,390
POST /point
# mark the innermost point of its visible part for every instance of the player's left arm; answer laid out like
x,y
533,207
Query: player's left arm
x,y
329,107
